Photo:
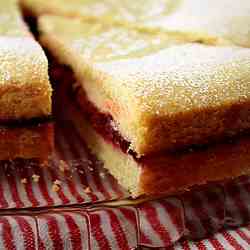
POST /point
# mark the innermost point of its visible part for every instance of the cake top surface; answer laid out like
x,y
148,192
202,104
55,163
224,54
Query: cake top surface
x,y
22,58
107,42
181,78
22,61
25,91
227,19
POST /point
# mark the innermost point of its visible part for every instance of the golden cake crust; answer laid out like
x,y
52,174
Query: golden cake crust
x,y
25,91
166,99
182,171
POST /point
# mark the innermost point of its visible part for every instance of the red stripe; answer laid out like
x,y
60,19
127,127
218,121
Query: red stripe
x,y
232,241
74,191
234,193
60,192
13,189
28,188
144,240
196,204
75,234
43,186
83,180
160,230
54,232
70,183
82,176
185,245
27,233
243,236
97,232
216,243
3,202
201,245
114,184
129,214
117,229
40,244
131,217
6,234
94,174
214,199
174,214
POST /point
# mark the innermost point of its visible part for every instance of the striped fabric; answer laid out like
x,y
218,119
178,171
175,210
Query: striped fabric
x,y
84,172
238,239
33,215
109,228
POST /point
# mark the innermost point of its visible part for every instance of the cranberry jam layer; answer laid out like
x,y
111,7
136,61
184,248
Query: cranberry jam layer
x,y
103,123
155,175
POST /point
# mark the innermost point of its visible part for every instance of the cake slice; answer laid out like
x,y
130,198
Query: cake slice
x,y
25,91
210,20
149,93
161,174
135,97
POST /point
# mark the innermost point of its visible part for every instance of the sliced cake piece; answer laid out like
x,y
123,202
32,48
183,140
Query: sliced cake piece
x,y
25,91
151,90
161,174
210,20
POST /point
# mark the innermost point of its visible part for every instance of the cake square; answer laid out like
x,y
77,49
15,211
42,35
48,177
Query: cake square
x,y
25,90
136,105
165,94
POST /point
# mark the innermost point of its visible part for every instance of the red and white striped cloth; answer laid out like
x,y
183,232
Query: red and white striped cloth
x,y
33,216
157,224
83,173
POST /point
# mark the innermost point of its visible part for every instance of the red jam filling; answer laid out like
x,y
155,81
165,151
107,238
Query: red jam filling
x,y
103,123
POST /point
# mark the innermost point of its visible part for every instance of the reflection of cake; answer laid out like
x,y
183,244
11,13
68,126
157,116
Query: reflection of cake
x,y
227,19
143,97
25,92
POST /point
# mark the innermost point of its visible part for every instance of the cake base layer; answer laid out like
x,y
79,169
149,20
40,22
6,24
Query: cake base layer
x,y
30,142
163,174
